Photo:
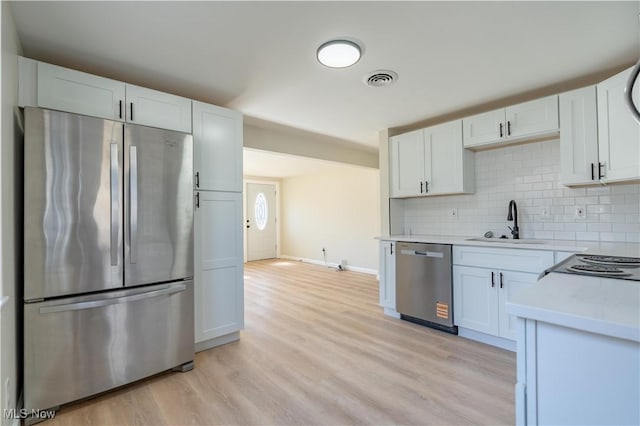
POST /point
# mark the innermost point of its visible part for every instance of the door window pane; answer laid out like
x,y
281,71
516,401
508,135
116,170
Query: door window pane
x,y
261,211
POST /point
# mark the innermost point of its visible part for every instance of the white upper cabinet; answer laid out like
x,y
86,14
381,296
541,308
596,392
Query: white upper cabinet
x,y
430,161
484,128
158,109
78,92
406,156
618,132
533,119
579,137
449,168
217,139
50,86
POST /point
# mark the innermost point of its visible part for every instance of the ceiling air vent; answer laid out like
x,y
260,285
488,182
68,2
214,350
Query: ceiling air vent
x,y
380,78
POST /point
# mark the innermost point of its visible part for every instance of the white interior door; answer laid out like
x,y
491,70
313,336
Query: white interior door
x,y
261,221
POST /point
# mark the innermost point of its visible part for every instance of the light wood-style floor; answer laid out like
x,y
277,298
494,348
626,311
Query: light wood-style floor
x,y
317,350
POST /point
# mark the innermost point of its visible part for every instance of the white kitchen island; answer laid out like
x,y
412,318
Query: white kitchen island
x,y
578,349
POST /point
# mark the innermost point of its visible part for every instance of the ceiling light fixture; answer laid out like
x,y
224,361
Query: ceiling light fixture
x,y
338,53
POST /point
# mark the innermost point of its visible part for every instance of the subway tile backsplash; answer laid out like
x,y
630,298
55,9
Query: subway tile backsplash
x,y
530,175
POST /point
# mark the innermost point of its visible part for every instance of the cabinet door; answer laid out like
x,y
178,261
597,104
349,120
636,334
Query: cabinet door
x,y
532,117
406,156
443,158
475,299
509,284
579,137
484,128
157,109
217,138
388,274
78,92
219,285
618,132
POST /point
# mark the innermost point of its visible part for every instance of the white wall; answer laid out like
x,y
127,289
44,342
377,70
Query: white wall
x,y
10,180
530,175
338,211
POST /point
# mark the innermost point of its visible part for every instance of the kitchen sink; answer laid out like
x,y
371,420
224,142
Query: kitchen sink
x,y
505,240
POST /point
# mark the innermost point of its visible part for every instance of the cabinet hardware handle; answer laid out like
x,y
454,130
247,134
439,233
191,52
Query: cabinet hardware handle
x,y
131,116
197,200
120,109
593,172
508,128
197,179
600,167
421,187
501,283
501,134
391,248
493,282
426,186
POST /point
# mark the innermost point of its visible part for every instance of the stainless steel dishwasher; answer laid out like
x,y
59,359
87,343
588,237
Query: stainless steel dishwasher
x,y
424,289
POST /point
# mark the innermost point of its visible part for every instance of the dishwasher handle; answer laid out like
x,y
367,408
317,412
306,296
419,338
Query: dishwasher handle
x,y
423,253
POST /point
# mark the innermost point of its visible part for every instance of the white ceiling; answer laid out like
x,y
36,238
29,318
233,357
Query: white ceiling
x,y
259,57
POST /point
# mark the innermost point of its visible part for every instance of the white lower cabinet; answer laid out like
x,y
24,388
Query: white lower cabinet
x,y
219,283
570,376
388,277
480,297
485,278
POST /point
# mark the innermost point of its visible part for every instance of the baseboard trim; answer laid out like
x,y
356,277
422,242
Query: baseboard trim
x,y
218,341
488,339
329,264
391,312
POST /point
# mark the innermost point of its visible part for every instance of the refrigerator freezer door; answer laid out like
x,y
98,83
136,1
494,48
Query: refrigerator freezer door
x,y
158,205
80,346
73,217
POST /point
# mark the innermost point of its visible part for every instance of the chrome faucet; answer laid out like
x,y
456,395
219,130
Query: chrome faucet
x,y
513,215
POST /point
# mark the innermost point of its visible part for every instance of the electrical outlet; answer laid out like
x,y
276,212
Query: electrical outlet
x,y
453,213
545,213
581,213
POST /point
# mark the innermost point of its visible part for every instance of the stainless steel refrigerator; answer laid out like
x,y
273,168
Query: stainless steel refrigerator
x,y
108,255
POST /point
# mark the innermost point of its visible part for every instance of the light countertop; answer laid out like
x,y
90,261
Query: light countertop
x,y
591,247
599,305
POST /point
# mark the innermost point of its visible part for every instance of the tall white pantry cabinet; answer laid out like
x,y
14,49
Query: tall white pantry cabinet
x,y
219,282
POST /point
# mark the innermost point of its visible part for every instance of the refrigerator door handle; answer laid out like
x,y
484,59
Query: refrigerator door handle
x,y
133,203
169,290
115,204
